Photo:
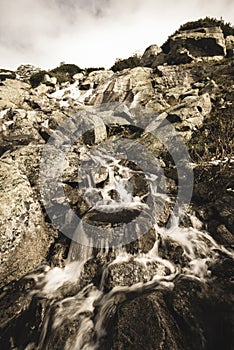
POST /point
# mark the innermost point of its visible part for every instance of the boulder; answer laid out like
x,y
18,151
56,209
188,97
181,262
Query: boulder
x,y
24,241
229,41
50,81
146,323
13,93
78,76
96,78
131,272
150,55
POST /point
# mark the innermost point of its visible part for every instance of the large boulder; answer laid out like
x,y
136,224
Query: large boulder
x,y
149,55
13,93
24,241
95,78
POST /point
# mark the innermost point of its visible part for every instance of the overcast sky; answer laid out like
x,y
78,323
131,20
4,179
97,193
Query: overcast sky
x,y
93,32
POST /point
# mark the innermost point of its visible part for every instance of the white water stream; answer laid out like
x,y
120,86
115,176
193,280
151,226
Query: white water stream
x,y
87,310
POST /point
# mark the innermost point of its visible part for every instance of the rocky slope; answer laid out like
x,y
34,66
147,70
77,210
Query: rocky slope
x,y
187,83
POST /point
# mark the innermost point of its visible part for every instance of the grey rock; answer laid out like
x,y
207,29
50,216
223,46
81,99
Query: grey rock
x,y
24,240
229,41
200,43
150,55
131,85
25,71
13,93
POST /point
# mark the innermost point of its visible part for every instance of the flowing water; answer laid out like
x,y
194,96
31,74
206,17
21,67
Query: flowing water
x,y
88,308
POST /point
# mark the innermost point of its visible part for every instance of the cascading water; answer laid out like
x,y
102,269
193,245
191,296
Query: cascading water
x,y
88,308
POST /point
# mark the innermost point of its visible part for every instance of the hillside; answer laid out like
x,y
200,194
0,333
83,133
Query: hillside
x,y
117,200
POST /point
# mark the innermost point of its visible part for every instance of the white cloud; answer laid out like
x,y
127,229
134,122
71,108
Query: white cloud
x,y
93,32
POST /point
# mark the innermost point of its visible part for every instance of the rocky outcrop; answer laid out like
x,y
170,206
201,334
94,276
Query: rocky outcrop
x,y
149,55
193,44
25,71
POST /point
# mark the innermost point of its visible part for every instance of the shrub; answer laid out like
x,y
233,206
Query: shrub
x,y
92,69
65,72
130,62
37,78
6,74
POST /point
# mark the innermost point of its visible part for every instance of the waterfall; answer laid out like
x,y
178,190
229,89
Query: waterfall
x,y
88,308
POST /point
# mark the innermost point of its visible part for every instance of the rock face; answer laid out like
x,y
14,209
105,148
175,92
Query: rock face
x,y
125,86
190,45
199,43
24,240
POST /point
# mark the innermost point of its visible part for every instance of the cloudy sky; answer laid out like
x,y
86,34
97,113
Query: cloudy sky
x,y
93,32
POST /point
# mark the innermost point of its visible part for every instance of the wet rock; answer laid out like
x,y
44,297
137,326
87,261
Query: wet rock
x,y
20,316
146,323
131,272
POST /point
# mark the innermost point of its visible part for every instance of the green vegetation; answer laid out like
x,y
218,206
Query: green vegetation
x,y
130,62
